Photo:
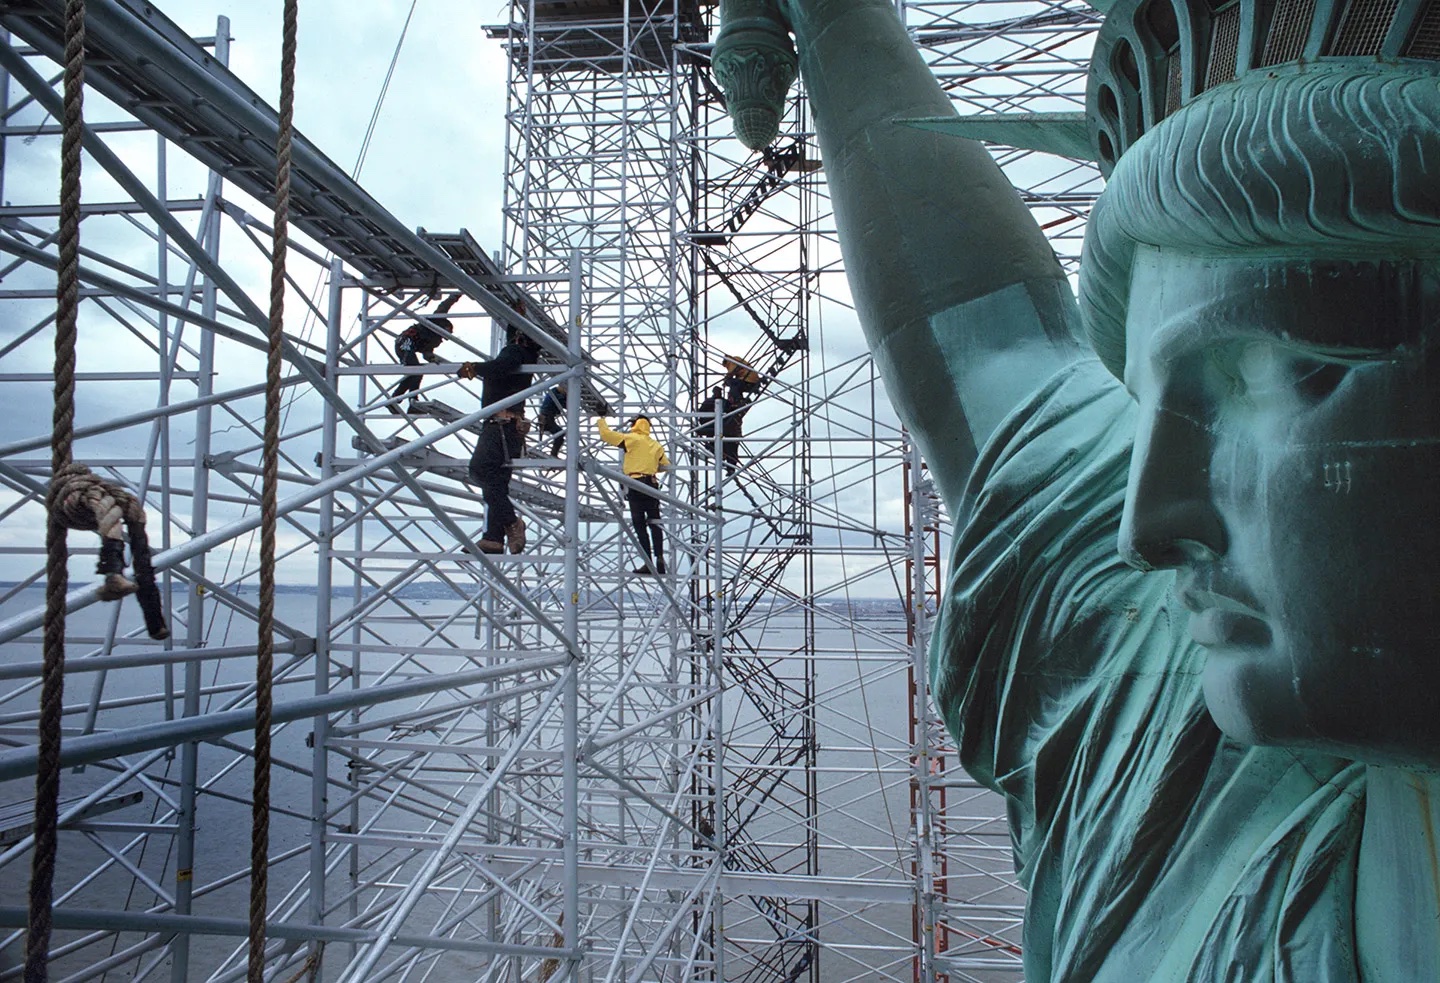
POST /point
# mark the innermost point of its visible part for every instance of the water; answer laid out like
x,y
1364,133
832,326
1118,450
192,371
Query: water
x,y
862,831
136,696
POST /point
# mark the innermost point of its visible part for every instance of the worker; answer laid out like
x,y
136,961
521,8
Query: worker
x,y
419,339
741,382
731,425
551,406
502,439
644,457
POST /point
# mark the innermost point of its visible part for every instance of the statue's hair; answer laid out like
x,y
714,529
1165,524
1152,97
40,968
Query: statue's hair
x,y
1311,161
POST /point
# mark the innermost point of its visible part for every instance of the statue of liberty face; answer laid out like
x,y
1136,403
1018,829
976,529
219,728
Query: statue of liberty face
x,y
1287,466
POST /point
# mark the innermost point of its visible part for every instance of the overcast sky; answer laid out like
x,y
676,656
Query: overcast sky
x,y
435,161
439,142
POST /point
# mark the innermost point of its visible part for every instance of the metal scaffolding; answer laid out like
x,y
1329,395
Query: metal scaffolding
x,y
531,766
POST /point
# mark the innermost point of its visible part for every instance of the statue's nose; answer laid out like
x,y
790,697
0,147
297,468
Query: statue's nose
x,y
1170,518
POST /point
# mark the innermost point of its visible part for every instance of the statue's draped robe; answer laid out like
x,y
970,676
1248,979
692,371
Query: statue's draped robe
x,y
1153,848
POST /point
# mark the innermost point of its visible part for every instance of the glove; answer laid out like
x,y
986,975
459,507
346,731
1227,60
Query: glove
x,y
467,370
432,358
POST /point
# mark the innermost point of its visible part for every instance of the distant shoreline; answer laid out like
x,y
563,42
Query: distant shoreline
x,y
441,592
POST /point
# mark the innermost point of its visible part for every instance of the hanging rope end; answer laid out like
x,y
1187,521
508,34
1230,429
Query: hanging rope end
x,y
81,500
116,585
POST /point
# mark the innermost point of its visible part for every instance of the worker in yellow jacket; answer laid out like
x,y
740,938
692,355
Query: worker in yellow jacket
x,y
644,457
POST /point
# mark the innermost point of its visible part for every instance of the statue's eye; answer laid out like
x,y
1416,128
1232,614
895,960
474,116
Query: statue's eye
x,y
1268,372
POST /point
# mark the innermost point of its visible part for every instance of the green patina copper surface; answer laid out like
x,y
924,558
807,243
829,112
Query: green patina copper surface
x,y
1189,627
1065,134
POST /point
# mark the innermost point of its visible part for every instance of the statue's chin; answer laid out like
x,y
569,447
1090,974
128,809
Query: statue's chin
x,y
1224,698
1255,701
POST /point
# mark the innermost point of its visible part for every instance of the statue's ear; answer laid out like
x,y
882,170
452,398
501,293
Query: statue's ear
x,y
1064,134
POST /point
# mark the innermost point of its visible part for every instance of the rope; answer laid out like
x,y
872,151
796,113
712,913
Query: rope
x,y
270,477
52,687
384,88
311,966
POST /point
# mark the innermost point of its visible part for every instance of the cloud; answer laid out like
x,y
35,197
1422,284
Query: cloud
x,y
435,159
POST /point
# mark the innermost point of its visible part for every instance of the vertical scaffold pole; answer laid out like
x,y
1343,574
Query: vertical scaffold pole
x,y
195,609
571,762
922,563
324,588
5,105
718,603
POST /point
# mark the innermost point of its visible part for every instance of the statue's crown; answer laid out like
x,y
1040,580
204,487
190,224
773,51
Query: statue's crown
x,y
1154,56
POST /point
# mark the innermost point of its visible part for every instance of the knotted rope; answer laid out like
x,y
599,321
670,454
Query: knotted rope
x,y
270,477
52,686
82,500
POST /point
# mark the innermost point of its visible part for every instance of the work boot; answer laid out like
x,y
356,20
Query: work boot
x,y
490,546
643,571
116,586
112,565
515,535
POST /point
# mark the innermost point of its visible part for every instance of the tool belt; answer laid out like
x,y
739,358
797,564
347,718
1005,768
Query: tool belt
x,y
517,417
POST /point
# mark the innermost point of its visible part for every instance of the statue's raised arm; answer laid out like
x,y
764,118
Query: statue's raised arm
x,y
961,297
1262,271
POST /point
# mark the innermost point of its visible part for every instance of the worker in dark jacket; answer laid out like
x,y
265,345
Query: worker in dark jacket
x,y
731,426
501,440
644,458
420,339
737,391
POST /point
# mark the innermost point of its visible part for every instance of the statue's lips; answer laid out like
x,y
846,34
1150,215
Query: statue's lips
x,y
1215,628
1221,621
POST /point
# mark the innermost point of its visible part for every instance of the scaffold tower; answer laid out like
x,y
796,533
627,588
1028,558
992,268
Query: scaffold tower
x,y
540,765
